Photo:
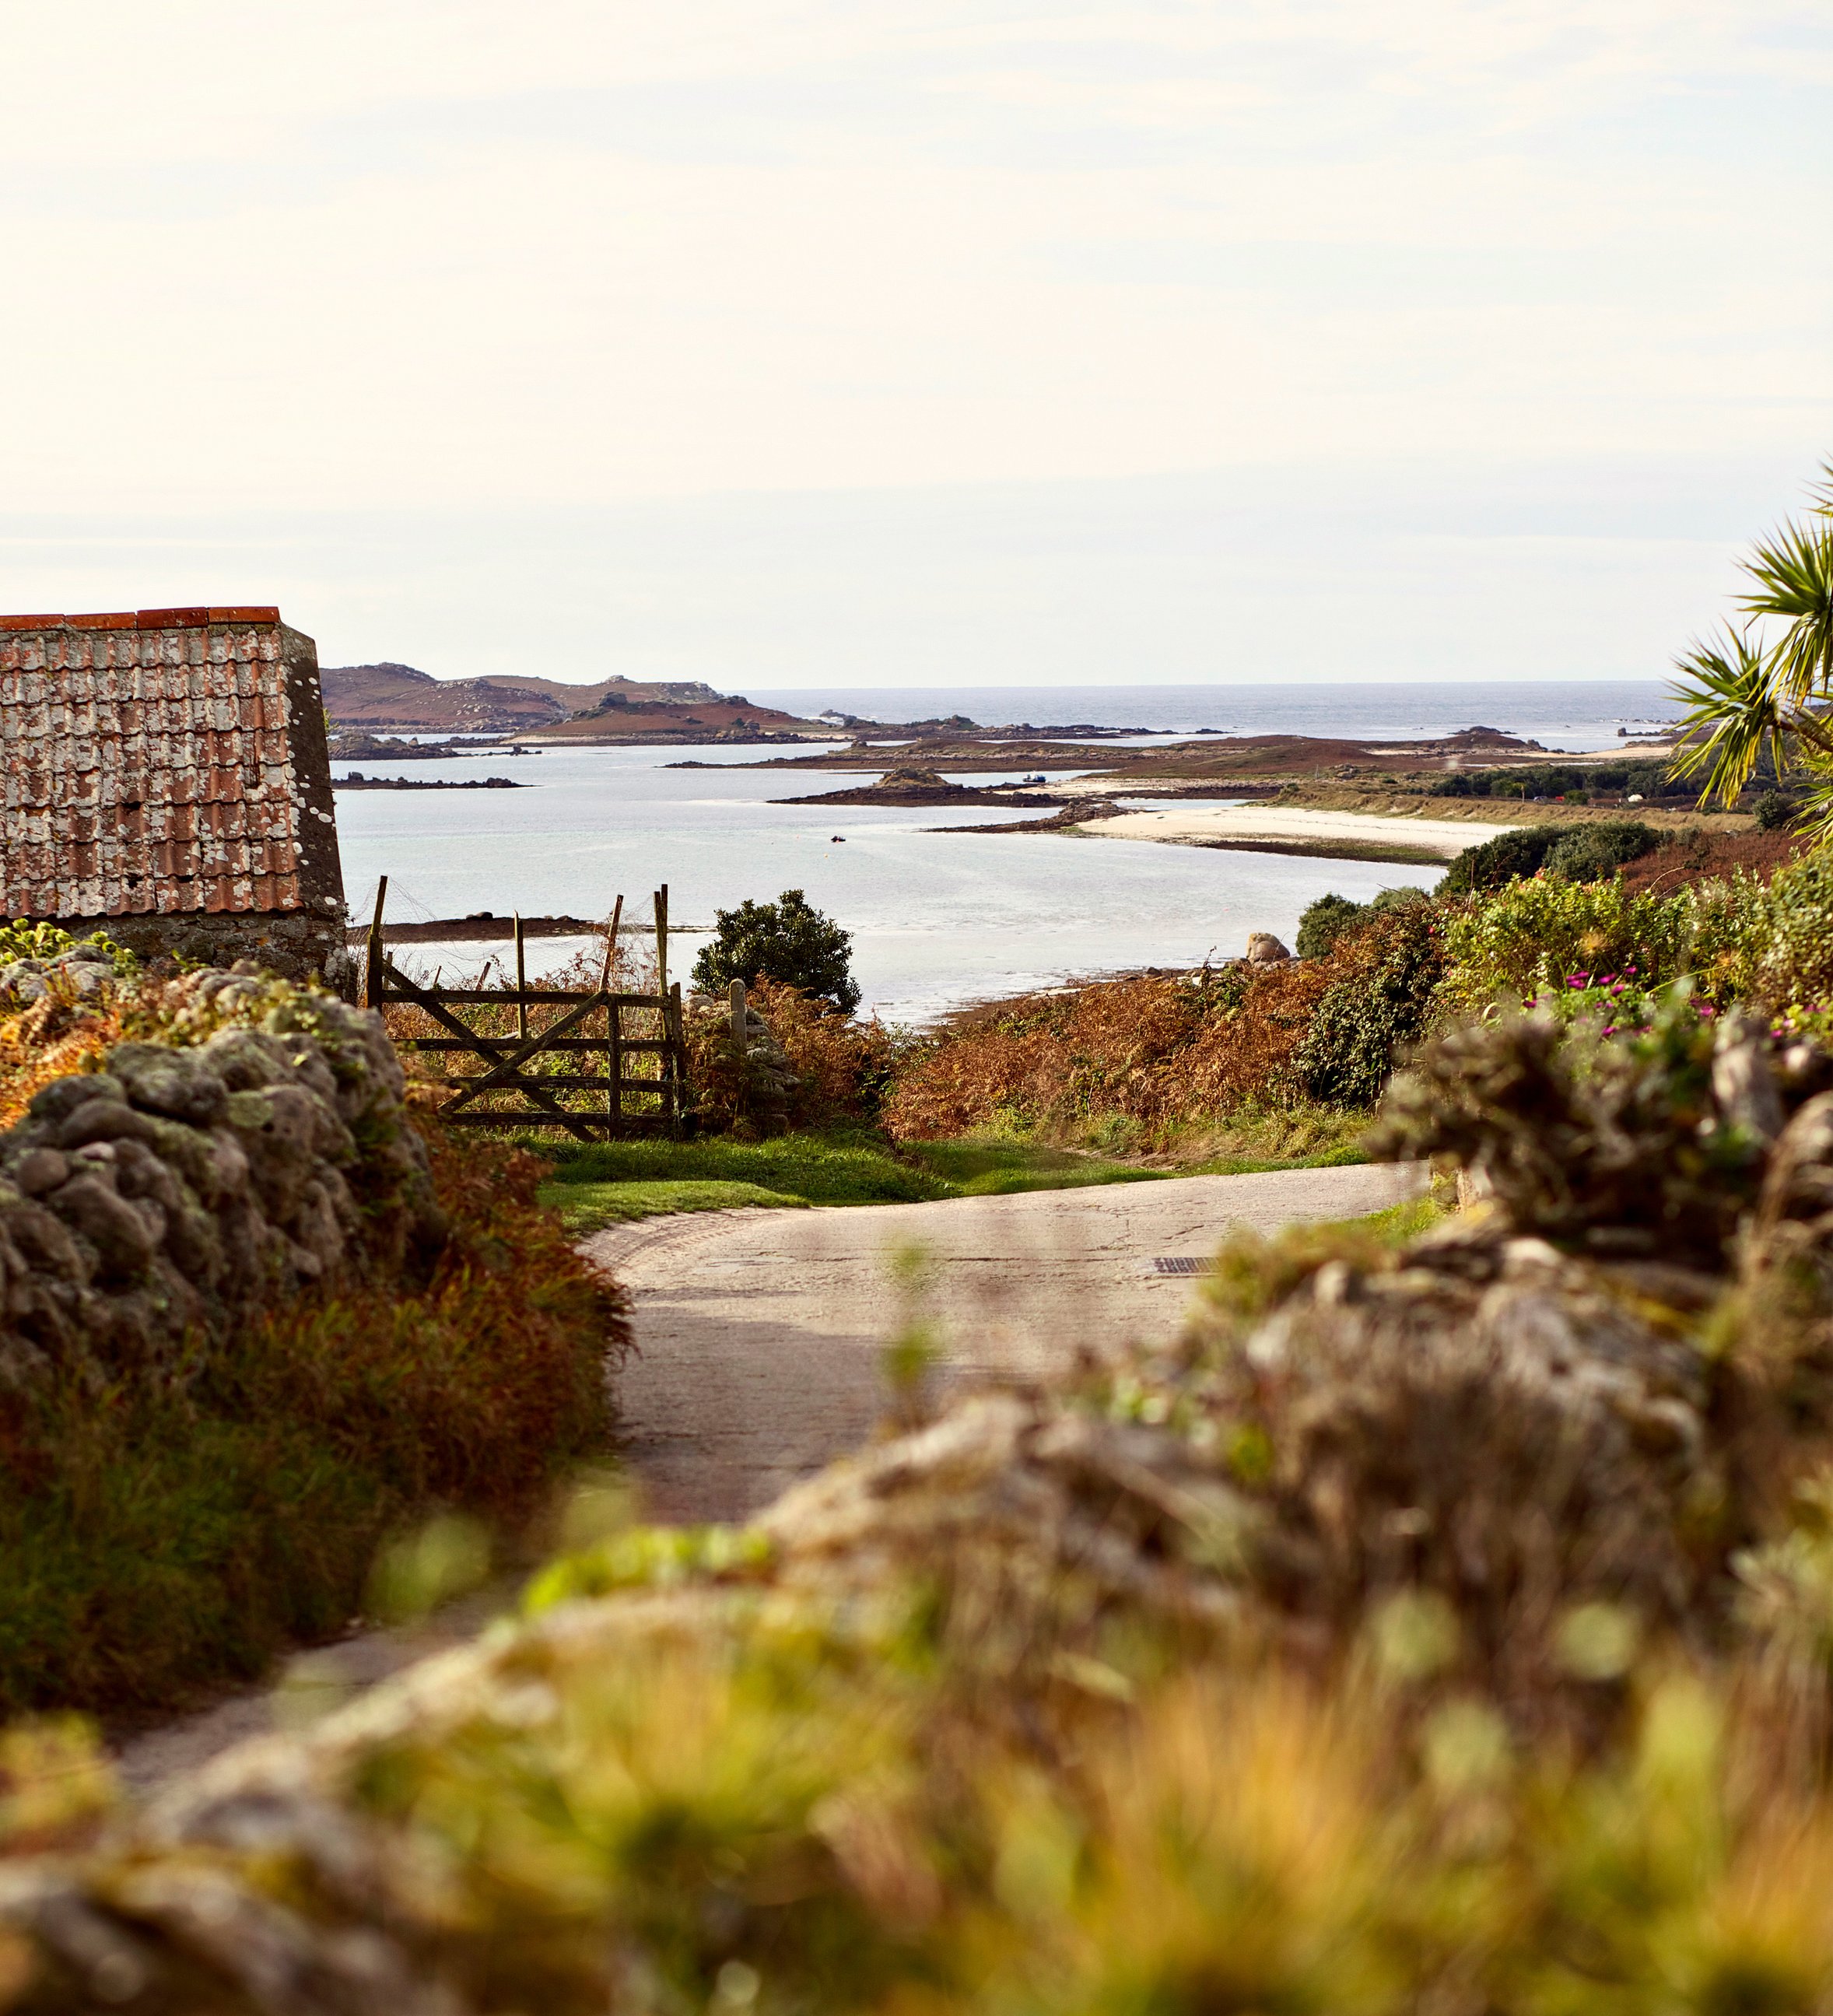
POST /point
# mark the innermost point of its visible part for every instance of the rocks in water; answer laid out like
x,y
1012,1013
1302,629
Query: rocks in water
x,y
189,1182
1265,949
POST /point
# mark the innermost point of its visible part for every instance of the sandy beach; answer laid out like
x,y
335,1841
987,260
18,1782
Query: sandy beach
x,y
1290,829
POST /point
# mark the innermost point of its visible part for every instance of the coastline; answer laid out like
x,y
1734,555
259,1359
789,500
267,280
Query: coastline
x,y
1263,828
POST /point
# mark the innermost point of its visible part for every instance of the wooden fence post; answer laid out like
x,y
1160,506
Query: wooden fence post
x,y
521,985
662,940
373,963
677,1033
614,1023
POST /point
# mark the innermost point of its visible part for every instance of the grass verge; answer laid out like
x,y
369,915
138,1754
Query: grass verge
x,y
589,1206
615,1181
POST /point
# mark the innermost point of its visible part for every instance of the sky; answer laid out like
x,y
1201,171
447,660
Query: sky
x,y
918,341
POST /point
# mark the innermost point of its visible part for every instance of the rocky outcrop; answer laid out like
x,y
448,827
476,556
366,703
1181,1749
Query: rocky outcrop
x,y
260,1146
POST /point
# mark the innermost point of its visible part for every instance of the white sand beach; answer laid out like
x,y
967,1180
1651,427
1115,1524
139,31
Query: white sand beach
x,y
1242,825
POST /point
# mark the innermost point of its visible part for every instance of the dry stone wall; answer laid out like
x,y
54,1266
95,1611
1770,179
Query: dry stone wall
x,y
260,1147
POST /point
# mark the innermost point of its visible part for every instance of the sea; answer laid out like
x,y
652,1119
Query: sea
x,y
939,918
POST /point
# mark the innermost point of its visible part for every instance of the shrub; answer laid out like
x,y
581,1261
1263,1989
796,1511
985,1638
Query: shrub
x,y
1497,862
1796,963
1774,811
1365,1021
1583,1134
1592,853
22,939
1164,1051
1548,780
1322,922
843,1068
1326,920
1531,936
788,941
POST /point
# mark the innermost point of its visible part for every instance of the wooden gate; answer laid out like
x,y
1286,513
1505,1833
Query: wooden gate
x,y
514,1084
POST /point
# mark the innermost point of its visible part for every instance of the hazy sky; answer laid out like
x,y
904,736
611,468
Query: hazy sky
x,y
938,342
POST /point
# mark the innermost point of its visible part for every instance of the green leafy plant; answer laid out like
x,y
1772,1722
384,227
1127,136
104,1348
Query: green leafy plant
x,y
23,939
1530,937
1326,920
1774,811
1592,853
1364,1022
1322,922
1764,691
1495,863
788,941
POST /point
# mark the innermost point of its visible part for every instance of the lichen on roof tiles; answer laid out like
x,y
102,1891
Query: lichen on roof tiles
x,y
167,761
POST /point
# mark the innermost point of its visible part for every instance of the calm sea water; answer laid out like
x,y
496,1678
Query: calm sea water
x,y
1562,714
938,918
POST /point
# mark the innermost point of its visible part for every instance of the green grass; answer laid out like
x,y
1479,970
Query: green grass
x,y
808,1168
981,1167
613,1182
1400,1223
1341,1158
588,1206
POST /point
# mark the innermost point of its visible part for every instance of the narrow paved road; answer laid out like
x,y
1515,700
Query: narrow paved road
x,y
761,1332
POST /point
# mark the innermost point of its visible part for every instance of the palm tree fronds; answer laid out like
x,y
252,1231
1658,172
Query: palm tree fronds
x,y
1815,818
1792,574
1733,711
1822,492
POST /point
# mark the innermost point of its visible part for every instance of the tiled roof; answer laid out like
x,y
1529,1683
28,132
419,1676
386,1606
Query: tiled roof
x,y
166,761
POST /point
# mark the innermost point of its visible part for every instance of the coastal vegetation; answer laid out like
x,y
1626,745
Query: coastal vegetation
x,y
789,942
1440,1622
181,1499
1237,1067
1759,695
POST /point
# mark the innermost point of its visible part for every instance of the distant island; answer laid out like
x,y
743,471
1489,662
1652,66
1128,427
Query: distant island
x,y
389,695
356,781
363,701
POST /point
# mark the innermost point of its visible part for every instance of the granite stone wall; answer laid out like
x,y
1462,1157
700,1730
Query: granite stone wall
x,y
262,1147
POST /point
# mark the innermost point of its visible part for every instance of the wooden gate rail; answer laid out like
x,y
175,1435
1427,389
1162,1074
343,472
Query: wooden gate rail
x,y
506,1059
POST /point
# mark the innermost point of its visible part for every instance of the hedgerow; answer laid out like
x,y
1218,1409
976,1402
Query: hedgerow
x,y
169,1521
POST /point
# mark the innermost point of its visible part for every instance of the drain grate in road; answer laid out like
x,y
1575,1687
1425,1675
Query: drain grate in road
x,y
1182,1263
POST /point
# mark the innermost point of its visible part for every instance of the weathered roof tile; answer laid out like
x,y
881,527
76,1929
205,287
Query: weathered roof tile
x,y
153,763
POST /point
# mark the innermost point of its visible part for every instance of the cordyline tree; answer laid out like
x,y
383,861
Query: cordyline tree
x,y
787,940
1768,687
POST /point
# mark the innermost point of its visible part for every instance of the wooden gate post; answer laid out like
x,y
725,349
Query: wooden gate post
x,y
372,962
614,1021
521,985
